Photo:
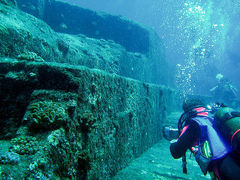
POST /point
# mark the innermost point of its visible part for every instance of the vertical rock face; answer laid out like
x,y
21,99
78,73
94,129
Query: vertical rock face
x,y
21,33
65,112
135,38
8,2
70,19
87,124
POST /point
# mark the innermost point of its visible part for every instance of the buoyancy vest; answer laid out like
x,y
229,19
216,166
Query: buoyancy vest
x,y
211,140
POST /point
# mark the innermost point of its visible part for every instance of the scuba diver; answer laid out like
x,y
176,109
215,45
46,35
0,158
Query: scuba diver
x,y
198,133
224,91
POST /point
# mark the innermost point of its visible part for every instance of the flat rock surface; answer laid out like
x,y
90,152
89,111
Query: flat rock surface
x,y
157,163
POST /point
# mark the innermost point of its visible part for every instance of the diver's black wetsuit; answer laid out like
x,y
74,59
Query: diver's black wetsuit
x,y
186,140
227,168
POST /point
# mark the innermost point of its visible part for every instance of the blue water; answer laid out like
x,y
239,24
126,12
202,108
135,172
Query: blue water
x,y
201,36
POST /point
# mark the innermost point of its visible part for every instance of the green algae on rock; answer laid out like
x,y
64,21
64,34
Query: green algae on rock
x,y
46,115
109,118
24,145
30,56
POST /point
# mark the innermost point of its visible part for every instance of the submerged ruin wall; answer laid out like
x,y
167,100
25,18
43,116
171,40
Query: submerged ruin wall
x,y
86,123
141,41
65,111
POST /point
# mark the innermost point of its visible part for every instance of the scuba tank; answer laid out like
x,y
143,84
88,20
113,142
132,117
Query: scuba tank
x,y
227,122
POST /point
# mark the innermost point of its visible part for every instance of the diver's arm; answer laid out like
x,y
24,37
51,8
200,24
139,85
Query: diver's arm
x,y
185,141
234,90
213,89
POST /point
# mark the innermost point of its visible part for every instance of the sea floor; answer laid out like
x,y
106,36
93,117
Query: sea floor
x,y
158,164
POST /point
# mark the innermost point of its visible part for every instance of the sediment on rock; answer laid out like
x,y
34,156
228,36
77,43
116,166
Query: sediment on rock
x,y
98,122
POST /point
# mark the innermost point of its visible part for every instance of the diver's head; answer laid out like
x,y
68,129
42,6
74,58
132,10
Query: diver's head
x,y
191,103
219,77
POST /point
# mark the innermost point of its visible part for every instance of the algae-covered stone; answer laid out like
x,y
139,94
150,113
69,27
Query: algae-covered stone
x,y
8,2
55,137
123,47
30,56
9,158
110,120
46,115
24,145
39,168
87,120
66,155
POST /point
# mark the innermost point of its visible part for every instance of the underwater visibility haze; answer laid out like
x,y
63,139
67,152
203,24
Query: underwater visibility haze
x,y
87,86
201,37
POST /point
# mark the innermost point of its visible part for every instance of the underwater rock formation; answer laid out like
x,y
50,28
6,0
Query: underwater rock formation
x,y
45,115
65,113
8,2
22,36
107,120
141,43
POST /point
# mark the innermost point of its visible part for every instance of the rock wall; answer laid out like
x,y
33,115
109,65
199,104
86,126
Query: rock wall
x,y
135,38
60,120
8,2
66,18
21,33
86,123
